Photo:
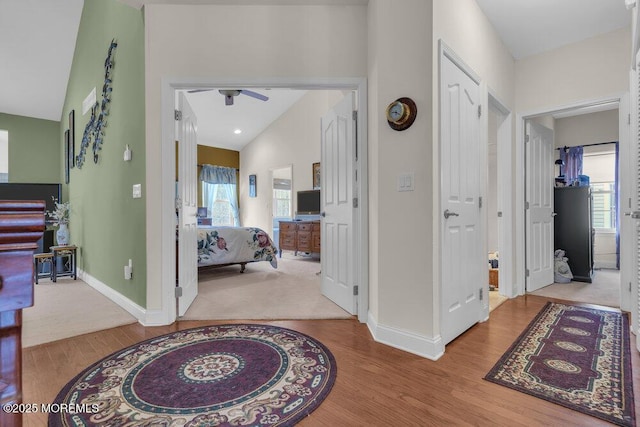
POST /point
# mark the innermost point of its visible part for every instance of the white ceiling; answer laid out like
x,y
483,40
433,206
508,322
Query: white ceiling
x,y
37,40
529,27
217,121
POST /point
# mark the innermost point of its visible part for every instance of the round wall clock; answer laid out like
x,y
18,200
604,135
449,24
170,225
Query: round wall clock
x,y
401,113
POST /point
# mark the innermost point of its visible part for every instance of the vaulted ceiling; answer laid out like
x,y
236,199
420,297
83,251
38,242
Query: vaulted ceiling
x,y
37,41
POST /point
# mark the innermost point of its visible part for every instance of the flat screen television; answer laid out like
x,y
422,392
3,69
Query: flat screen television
x,y
308,202
18,191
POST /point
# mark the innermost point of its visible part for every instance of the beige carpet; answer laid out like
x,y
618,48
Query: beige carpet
x,y
68,308
292,291
604,290
495,299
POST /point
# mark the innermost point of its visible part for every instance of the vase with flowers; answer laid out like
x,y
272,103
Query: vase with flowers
x,y
60,217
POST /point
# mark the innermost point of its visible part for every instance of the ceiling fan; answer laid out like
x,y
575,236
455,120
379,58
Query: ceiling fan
x,y
229,94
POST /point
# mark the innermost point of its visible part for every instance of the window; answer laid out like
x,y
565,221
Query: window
x,y
600,167
216,198
4,156
220,194
281,203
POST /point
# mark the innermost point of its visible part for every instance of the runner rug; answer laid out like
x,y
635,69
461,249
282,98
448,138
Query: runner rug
x,y
577,357
217,375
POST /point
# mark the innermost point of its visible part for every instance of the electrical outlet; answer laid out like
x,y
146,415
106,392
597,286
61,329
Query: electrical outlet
x,y
128,271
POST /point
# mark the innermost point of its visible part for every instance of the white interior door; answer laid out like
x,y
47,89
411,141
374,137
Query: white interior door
x,y
188,207
630,208
463,264
539,205
626,232
337,193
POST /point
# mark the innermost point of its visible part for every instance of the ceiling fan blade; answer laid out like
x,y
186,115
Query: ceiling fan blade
x,y
198,90
254,95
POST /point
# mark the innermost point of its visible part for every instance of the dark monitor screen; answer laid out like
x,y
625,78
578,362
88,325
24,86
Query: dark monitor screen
x,y
19,191
308,202
202,212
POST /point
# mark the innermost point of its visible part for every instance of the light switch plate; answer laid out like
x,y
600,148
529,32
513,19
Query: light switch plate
x,y
137,191
405,182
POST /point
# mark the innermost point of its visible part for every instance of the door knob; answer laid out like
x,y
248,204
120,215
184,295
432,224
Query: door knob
x,y
553,214
323,214
447,214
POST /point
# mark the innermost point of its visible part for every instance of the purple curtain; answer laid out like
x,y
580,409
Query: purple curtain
x,y
572,158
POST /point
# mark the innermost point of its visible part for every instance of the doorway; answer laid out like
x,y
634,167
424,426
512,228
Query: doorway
x,y
360,237
499,216
282,205
622,125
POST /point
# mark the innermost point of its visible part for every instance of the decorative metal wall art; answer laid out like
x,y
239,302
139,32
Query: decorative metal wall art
x,y
93,131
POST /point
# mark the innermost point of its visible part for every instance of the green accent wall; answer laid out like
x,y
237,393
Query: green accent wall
x,y
106,222
34,144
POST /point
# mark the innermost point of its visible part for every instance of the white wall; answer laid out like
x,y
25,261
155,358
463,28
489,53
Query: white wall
x,y
594,68
293,139
586,129
232,43
401,251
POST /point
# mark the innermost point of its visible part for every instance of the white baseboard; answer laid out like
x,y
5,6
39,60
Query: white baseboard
x,y
430,348
131,307
607,265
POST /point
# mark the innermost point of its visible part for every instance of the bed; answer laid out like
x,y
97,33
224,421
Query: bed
x,y
222,246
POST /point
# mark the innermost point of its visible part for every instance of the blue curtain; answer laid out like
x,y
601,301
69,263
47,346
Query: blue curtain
x,y
572,158
223,179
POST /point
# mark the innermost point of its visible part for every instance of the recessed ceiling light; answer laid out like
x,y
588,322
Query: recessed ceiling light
x,y
237,131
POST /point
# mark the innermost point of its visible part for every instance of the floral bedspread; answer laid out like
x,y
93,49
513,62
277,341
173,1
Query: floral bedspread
x,y
224,245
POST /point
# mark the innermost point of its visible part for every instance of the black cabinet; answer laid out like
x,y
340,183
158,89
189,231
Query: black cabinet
x,y
573,230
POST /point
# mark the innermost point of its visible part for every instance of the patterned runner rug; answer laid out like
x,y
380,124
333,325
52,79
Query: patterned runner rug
x,y
218,375
574,356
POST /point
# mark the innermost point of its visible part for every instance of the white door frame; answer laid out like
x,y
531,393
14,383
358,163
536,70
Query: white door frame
x,y
504,190
520,178
167,148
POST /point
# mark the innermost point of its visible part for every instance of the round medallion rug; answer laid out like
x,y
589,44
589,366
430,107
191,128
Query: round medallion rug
x,y
240,375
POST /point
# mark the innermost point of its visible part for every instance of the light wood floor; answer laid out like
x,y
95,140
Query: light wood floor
x,y
376,385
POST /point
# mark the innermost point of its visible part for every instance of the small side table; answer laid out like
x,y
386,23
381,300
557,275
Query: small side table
x,y
66,255
39,261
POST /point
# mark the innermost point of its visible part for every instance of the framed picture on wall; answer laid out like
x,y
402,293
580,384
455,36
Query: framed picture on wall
x,y
66,156
316,176
72,139
252,186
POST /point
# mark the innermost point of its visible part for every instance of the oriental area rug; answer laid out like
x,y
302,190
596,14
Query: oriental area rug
x,y
577,357
240,375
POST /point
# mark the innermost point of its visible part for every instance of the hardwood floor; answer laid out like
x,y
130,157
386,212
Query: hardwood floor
x,y
376,385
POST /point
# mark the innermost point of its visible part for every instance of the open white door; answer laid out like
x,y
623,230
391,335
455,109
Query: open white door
x,y
539,205
463,264
626,229
188,207
337,195
630,208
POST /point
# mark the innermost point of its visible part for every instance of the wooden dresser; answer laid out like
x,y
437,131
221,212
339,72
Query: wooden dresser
x,y
299,236
21,226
